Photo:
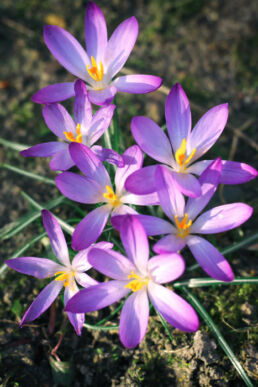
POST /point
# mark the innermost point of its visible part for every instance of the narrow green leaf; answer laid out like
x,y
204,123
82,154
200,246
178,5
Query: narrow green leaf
x,y
63,372
69,229
13,145
109,317
231,249
215,330
101,327
28,174
21,250
201,282
165,325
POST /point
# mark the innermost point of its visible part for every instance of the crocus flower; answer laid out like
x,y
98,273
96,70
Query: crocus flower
x,y
140,276
86,129
66,274
103,60
96,187
183,147
186,223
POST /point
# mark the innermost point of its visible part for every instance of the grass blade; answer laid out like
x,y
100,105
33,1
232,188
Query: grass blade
x,y
165,325
13,145
65,226
215,330
28,174
22,249
247,241
201,282
101,327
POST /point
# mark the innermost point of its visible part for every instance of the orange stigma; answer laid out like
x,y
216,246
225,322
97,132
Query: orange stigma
x,y
112,198
137,283
180,156
70,136
183,227
95,72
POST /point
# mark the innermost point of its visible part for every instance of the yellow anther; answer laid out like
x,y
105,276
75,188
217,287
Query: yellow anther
x,y
64,276
111,197
95,72
183,226
137,283
70,136
181,157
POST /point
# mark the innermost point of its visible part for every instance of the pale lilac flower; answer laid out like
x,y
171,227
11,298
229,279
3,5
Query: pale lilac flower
x,y
66,274
98,67
183,147
85,129
186,223
96,187
143,277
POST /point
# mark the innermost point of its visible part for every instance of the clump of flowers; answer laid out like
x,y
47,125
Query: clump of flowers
x,y
137,274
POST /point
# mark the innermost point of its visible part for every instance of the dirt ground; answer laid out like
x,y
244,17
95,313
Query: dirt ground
x,y
210,47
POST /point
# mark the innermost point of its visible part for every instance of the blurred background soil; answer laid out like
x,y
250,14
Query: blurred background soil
x,y
210,47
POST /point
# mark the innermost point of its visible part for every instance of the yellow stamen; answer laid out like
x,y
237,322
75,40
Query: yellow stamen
x,y
137,283
95,72
183,227
70,136
112,197
181,157
65,276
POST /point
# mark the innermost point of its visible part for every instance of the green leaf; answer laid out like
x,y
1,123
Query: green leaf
x,y
15,227
17,308
165,325
215,330
28,174
101,327
200,282
62,371
13,145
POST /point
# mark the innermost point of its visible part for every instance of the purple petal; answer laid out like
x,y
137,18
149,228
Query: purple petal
x,y
210,259
61,161
171,199
42,302
133,159
82,106
95,31
108,155
44,150
151,139
134,319
178,116
56,237
208,129
58,120
142,182
90,228
103,96
100,122
120,45
38,267
154,226
111,263
123,210
141,200
80,261
209,181
78,188
137,83
97,297
89,164
188,184
85,280
222,218
54,93
175,310
135,242
169,244
237,173
166,267
67,50
76,319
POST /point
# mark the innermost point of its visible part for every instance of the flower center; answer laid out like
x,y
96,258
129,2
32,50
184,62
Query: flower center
x,y
137,283
180,156
95,72
183,226
70,136
67,277
112,198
